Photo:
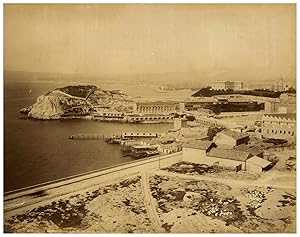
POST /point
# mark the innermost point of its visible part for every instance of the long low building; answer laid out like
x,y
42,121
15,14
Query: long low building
x,y
135,135
151,118
156,107
227,158
280,126
108,116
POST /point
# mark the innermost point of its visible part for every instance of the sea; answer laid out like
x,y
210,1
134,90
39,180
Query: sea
x,y
38,151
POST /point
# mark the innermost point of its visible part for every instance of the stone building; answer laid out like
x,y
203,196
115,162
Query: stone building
x,y
196,151
228,139
206,152
227,158
279,126
156,107
257,164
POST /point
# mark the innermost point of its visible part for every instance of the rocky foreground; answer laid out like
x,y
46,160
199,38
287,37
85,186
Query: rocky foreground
x,y
78,101
163,203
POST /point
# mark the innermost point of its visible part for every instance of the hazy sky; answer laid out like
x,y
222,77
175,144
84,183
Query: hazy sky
x,y
256,40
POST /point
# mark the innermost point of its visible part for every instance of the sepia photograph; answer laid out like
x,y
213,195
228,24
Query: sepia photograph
x,y
149,118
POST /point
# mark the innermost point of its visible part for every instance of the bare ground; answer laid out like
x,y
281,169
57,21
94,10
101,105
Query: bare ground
x,y
164,202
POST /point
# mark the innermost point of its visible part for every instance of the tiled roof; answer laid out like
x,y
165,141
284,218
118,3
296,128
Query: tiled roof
x,y
200,145
259,161
228,154
291,116
235,135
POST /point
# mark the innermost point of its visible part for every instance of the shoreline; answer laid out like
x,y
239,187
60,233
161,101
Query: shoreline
x,y
87,178
154,201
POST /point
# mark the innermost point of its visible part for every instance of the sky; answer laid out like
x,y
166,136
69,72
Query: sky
x,y
200,41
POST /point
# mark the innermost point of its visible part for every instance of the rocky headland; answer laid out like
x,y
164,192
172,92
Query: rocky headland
x,y
77,101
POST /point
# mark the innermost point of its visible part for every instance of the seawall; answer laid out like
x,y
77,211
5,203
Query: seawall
x,y
25,198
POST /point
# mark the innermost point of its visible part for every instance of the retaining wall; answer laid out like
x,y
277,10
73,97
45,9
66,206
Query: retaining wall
x,y
103,175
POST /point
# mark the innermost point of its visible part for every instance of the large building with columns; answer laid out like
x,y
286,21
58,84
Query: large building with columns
x,y
156,107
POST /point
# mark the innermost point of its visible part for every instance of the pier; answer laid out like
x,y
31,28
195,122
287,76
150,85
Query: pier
x,y
87,137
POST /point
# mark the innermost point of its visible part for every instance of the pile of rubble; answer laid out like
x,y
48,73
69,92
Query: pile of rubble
x,y
256,197
211,204
201,200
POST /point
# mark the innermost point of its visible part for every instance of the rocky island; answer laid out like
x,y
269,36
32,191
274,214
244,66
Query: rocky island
x,y
77,102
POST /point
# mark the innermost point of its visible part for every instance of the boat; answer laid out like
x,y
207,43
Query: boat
x,y
141,151
113,140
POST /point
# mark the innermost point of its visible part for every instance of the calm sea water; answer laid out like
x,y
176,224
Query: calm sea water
x,y
40,151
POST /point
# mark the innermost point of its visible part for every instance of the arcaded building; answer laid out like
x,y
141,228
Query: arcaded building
x,y
156,107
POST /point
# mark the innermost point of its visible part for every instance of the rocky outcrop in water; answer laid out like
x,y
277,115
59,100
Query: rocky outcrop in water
x,y
47,107
26,110
54,105
76,101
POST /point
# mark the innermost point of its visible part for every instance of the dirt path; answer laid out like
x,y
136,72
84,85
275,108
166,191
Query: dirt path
x,y
150,205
